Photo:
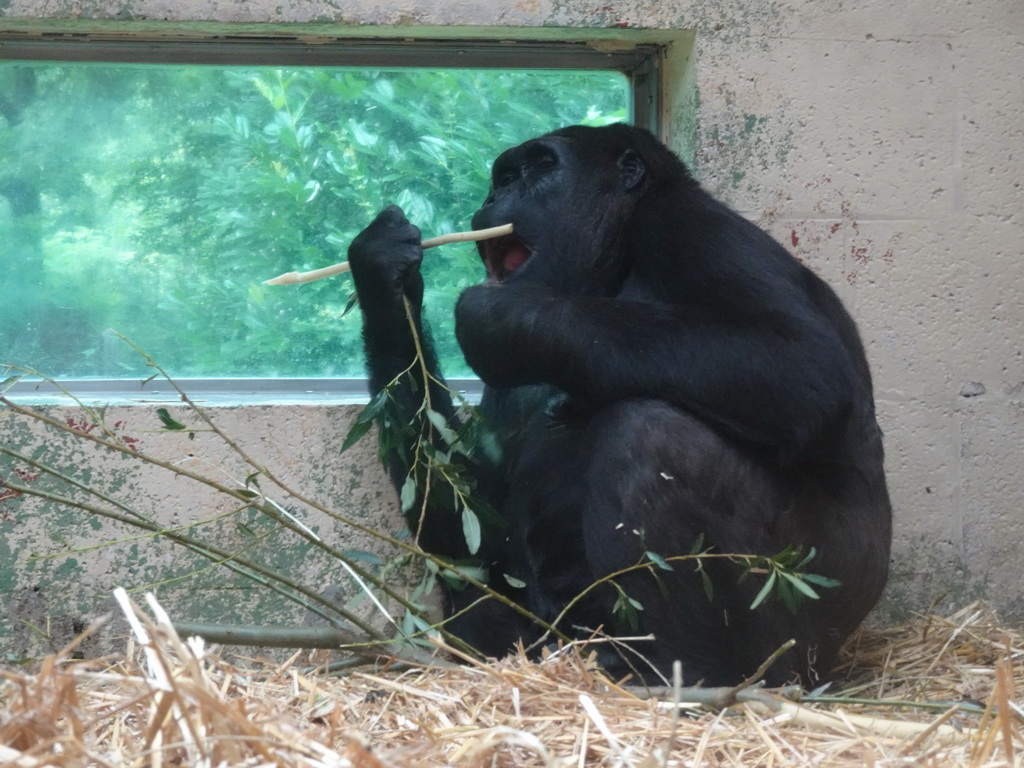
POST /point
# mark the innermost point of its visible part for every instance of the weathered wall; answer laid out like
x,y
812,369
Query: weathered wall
x,y
54,577
880,142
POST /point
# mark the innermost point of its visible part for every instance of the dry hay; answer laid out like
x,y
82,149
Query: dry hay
x,y
169,703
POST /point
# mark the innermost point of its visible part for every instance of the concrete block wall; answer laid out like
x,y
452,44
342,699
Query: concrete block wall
x,y
881,143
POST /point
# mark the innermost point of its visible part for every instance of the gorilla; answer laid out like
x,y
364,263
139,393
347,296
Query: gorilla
x,y
661,376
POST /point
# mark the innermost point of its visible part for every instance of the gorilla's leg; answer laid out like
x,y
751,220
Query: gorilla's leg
x,y
596,495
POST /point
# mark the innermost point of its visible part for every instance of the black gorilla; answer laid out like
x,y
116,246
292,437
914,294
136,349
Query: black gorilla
x,y
659,372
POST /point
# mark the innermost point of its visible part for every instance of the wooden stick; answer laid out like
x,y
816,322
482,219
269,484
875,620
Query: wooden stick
x,y
291,278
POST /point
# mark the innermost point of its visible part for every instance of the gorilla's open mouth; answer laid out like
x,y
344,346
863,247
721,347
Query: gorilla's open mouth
x,y
504,255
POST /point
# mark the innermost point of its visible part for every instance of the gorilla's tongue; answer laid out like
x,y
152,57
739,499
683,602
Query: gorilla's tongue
x,y
514,258
503,256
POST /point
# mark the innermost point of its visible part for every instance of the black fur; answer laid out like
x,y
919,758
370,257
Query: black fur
x,y
657,371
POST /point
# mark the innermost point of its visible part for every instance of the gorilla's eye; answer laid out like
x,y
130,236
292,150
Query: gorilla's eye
x,y
540,162
507,178
545,163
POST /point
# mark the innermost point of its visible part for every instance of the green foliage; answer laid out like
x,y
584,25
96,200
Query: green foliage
x,y
164,196
168,421
625,608
435,451
786,578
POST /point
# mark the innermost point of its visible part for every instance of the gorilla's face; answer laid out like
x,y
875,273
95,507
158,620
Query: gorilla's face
x,y
567,195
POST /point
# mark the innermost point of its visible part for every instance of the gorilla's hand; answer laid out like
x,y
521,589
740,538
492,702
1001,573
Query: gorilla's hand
x,y
505,331
385,259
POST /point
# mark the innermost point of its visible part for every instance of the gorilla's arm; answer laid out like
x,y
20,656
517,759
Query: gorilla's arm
x,y
385,260
690,355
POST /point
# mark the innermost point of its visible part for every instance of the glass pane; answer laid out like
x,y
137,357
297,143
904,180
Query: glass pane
x,y
153,200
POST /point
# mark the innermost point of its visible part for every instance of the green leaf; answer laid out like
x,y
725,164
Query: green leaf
x,y
709,589
362,556
10,381
658,560
264,89
168,421
514,582
490,445
821,581
765,590
373,408
362,136
471,529
456,575
810,556
413,624
353,301
789,596
355,433
440,423
626,608
408,493
797,582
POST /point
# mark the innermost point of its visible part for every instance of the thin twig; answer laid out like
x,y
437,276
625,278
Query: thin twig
x,y
422,360
960,706
231,560
246,496
331,638
724,696
765,665
241,494
414,549
898,729
292,278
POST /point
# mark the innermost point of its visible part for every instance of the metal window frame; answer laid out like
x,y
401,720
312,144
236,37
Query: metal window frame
x,y
223,391
640,62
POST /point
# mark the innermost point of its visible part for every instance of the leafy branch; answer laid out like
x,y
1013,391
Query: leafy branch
x,y
783,569
96,431
431,440
787,577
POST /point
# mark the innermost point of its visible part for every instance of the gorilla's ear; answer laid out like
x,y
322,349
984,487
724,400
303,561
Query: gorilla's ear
x,y
632,168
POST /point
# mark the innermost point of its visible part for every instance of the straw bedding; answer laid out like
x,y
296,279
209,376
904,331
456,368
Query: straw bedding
x,y
169,702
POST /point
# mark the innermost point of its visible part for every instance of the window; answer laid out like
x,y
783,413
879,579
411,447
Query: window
x,y
151,188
